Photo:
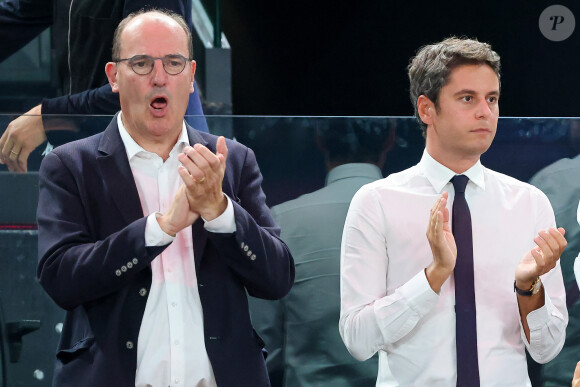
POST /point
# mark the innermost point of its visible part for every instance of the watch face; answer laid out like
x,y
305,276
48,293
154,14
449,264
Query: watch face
x,y
537,285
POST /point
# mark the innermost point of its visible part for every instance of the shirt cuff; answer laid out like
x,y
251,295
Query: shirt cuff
x,y
541,316
154,234
419,294
223,224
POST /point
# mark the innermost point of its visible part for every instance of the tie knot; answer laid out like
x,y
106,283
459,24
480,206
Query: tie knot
x,y
459,183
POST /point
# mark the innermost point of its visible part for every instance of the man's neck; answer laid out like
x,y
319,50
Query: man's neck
x,y
161,146
456,163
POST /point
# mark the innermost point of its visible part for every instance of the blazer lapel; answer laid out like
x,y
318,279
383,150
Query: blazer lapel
x,y
199,233
116,173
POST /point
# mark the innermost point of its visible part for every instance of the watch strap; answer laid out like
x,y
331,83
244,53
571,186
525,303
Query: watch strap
x,y
530,292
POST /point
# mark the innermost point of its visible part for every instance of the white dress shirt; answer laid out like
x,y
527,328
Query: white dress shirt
x,y
388,306
170,349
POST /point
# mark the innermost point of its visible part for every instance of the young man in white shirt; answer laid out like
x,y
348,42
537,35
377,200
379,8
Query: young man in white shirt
x,y
398,286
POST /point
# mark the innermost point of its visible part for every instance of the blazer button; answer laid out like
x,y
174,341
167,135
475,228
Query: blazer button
x,y
242,245
129,265
246,248
249,253
118,273
253,257
129,344
135,261
123,268
143,292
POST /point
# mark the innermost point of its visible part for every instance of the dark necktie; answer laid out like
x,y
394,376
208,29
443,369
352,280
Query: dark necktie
x,y
465,328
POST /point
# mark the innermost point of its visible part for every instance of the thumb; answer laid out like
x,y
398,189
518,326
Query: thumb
x,y
222,148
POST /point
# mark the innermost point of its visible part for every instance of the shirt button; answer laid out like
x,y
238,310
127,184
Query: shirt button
x,y
173,304
143,292
118,273
129,344
135,261
176,342
176,381
253,257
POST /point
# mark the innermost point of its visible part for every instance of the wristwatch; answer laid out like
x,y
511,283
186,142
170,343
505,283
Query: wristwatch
x,y
534,289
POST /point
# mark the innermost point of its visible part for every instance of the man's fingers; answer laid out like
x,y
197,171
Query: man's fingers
x,y
199,156
555,241
222,148
15,152
185,176
558,235
191,167
6,148
437,218
551,242
23,159
3,141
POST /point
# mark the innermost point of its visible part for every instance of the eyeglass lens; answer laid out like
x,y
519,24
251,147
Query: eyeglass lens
x,y
143,64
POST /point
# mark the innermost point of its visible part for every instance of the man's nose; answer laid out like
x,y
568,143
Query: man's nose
x,y
159,75
483,109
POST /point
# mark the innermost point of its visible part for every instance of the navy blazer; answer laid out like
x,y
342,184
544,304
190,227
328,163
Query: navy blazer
x,y
93,262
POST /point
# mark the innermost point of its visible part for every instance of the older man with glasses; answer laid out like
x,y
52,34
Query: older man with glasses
x,y
151,233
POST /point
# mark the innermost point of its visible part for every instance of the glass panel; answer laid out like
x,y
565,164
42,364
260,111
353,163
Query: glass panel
x,y
293,155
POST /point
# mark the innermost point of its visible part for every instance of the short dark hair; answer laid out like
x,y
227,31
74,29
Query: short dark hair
x,y
354,139
177,18
429,70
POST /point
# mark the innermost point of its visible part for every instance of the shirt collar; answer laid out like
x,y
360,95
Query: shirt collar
x,y
134,149
439,175
345,171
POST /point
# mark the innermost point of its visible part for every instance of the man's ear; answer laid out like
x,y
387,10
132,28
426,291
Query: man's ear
x,y
426,109
111,70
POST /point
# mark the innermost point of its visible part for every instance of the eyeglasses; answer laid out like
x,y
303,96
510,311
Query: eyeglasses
x,y
143,64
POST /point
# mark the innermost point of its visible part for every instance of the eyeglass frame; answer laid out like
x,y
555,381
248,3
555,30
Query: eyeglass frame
x,y
154,58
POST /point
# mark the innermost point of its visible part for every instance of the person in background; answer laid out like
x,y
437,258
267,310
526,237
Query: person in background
x,y
151,233
82,36
300,330
560,181
448,269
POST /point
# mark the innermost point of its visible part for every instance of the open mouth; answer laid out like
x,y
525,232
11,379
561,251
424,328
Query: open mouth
x,y
159,103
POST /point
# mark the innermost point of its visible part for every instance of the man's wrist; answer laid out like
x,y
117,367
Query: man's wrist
x,y
436,276
213,213
166,226
528,288
524,284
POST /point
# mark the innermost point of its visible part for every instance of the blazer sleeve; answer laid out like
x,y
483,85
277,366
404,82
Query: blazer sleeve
x,y
254,251
74,267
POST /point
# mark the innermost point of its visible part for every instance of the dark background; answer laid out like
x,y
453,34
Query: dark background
x,y
350,57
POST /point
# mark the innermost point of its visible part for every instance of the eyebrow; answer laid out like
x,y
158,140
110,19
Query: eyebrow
x,y
469,91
